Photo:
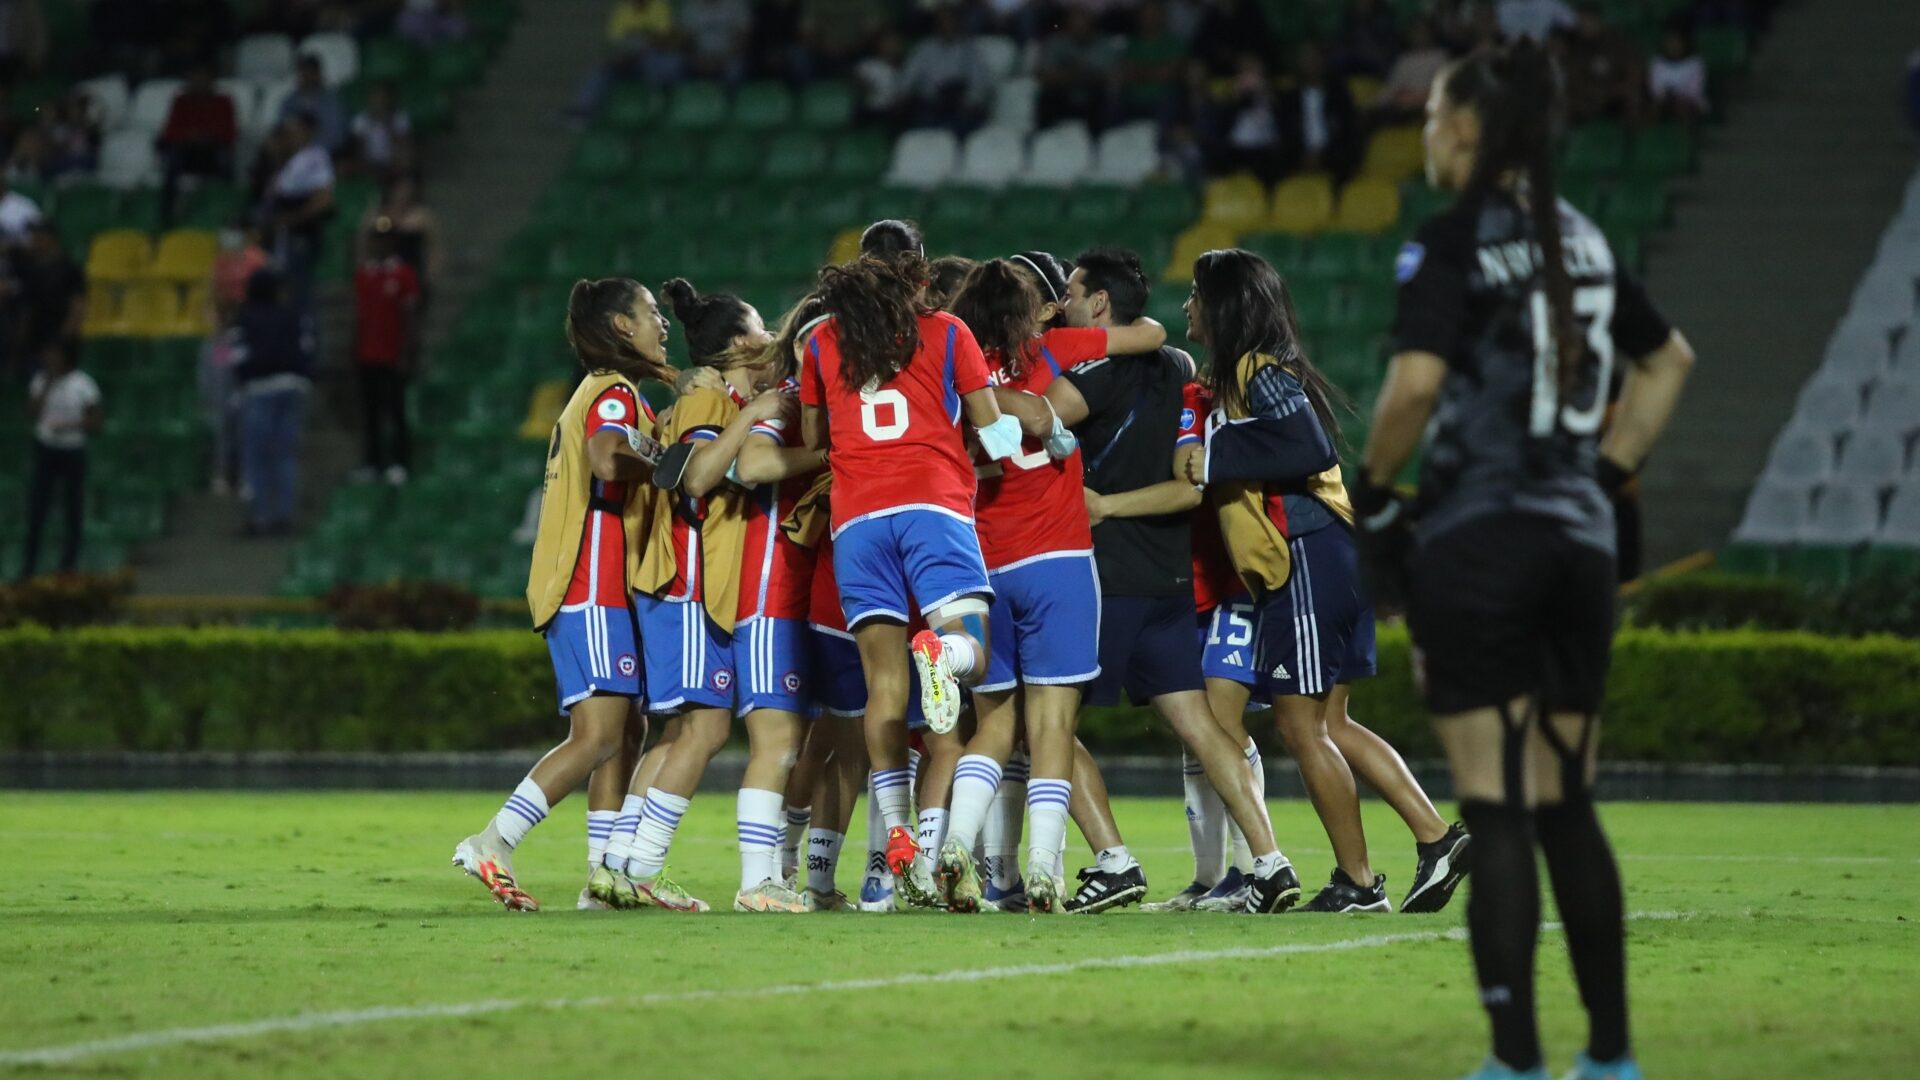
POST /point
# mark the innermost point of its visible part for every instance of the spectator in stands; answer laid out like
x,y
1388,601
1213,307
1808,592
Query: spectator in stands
x,y
27,160
239,257
1229,29
125,36
10,125
412,228
50,290
837,31
877,77
312,98
386,294
641,45
18,215
1601,69
1319,126
716,32
299,204
427,23
23,38
1252,134
1078,68
944,81
198,139
1677,78
1367,39
1536,19
381,135
194,32
775,47
71,135
272,346
1021,20
63,403
1404,94
1150,64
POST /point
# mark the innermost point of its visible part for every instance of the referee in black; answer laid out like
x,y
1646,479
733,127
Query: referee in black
x,y
1512,313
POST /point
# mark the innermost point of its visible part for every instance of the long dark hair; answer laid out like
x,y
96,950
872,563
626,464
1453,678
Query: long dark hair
x,y
945,276
1511,90
1049,274
712,321
875,304
779,354
1002,308
590,333
1245,307
890,238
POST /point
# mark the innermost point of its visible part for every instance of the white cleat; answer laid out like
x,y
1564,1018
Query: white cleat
x,y
939,690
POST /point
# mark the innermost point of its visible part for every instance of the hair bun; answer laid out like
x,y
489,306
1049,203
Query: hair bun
x,y
681,296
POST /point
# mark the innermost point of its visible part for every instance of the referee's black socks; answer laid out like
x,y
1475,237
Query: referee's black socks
x,y
1586,886
1503,921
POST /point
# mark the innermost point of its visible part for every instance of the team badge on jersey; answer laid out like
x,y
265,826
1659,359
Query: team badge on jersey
x,y
627,665
613,409
1407,263
1186,419
722,680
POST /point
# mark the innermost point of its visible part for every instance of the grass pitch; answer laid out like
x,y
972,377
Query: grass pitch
x,y
219,935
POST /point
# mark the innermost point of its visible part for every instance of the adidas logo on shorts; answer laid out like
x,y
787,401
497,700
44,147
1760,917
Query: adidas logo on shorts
x,y
1280,672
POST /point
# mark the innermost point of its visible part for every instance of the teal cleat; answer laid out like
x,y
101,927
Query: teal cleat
x,y
1492,1069
1585,1068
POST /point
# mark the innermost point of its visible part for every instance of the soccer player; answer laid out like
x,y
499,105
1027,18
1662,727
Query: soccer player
x,y
1512,313
688,594
1126,412
883,389
1031,518
945,275
577,583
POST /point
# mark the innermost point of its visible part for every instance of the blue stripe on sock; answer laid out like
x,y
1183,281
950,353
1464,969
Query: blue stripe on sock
x,y
521,814
798,818
662,814
525,809
985,771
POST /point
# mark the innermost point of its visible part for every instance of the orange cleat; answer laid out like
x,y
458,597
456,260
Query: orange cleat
x,y
495,872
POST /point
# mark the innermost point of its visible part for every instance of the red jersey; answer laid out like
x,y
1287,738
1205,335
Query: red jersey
x,y
1214,579
1030,504
896,445
384,294
600,570
776,574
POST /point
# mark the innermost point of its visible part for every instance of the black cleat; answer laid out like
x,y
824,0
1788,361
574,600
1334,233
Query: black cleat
x,y
1100,890
1342,896
1443,866
1274,893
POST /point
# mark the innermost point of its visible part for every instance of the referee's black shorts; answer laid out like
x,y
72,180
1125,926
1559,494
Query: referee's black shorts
x,y
1509,606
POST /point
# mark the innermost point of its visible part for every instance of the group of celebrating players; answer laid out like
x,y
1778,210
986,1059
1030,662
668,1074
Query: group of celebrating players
x,y
908,533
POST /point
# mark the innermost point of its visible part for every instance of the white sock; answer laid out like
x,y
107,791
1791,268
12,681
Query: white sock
x,y
1047,802
758,817
1269,864
930,835
823,858
876,838
1242,855
791,837
524,809
1000,838
962,656
1206,822
976,781
599,831
659,819
1116,860
620,843
893,795
1259,767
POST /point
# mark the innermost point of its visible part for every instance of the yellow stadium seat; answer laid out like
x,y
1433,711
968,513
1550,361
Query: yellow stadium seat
x,y
1367,206
1364,90
1394,154
118,255
549,399
1238,202
1301,205
149,309
103,311
177,310
184,255
1194,242
846,246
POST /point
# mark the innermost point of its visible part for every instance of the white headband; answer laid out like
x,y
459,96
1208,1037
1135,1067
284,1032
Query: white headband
x,y
1042,275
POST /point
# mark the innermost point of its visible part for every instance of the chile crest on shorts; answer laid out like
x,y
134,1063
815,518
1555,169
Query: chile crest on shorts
x,y
627,665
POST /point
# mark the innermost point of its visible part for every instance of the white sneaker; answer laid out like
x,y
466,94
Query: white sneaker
x,y
770,897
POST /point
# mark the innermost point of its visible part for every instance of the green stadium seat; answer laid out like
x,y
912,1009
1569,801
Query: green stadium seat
x,y
762,106
453,65
859,156
697,106
1886,561
967,208
387,59
792,258
827,106
1032,211
1168,207
83,210
1756,560
1343,257
830,209
1586,194
1595,149
1420,201
1819,564
910,204
602,156
632,107
1098,206
1661,152
1724,48
214,207
796,157
732,158
428,106
1635,207
671,159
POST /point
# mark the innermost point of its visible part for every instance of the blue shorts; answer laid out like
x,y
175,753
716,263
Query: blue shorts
x,y
773,661
689,659
883,562
1317,631
840,685
1044,622
1226,645
1147,647
593,653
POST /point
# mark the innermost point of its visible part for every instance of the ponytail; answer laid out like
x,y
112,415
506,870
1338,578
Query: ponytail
x,y
1002,308
592,337
712,322
875,305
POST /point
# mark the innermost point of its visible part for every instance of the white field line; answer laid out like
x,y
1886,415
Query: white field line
x,y
299,1023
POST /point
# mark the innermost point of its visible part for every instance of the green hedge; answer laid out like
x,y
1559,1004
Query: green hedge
x,y
1734,696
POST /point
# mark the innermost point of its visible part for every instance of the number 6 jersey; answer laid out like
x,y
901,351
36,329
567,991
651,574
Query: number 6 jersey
x,y
897,446
1503,436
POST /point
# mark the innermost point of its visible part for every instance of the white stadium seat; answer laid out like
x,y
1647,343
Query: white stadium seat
x,y
924,157
110,96
993,156
1902,526
998,55
1843,514
273,97
1800,456
339,56
1858,349
1872,459
1775,514
1014,104
264,57
127,160
246,102
151,104
1128,154
1893,407
1062,155
1829,403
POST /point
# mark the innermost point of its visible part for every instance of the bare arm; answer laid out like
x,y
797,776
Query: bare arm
x,y
1142,335
981,407
763,461
1067,402
708,462
813,428
1647,402
1036,419
612,460
1400,418
1174,496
